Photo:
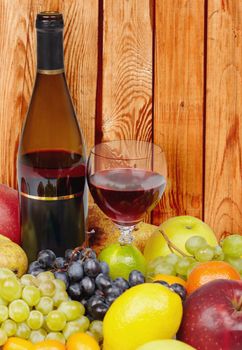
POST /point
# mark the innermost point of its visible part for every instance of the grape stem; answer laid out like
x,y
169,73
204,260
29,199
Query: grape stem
x,y
171,245
75,251
83,246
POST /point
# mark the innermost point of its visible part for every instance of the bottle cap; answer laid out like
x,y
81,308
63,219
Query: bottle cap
x,y
49,20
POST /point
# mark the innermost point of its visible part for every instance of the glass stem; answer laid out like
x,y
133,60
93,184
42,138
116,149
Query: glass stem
x,y
126,236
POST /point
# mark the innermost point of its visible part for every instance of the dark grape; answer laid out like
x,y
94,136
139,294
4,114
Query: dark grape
x,y
99,310
87,253
135,278
113,291
163,283
46,258
68,254
110,299
104,268
88,285
75,271
99,293
93,301
179,289
92,267
121,283
103,282
75,255
33,266
75,291
62,275
37,271
59,263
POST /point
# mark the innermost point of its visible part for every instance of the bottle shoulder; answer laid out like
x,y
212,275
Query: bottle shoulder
x,y
51,120
51,91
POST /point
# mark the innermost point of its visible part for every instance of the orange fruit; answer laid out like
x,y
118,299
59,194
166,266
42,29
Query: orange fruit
x,y
49,345
81,341
169,279
209,271
15,343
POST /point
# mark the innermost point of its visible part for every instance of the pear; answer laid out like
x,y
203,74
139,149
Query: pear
x,y
12,256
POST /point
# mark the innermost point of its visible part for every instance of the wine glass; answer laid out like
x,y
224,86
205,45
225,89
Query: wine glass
x,y
126,179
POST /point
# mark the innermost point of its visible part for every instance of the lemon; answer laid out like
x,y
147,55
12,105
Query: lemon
x,y
170,344
122,259
143,313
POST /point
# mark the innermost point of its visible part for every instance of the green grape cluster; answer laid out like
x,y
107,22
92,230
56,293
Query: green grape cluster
x,y
39,308
171,264
229,250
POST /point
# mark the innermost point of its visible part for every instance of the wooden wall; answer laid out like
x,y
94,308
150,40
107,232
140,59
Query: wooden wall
x,y
166,70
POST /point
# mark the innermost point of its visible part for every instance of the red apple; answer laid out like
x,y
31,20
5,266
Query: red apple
x,y
9,213
212,317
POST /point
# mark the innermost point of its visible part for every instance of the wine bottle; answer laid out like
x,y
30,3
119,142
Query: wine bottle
x,y
51,156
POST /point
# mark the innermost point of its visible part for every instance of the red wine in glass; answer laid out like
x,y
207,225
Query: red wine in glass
x,y
125,195
127,179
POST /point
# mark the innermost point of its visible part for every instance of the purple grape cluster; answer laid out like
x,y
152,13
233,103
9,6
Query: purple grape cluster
x,y
87,279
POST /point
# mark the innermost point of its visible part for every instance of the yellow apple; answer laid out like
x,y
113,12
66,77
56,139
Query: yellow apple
x,y
178,229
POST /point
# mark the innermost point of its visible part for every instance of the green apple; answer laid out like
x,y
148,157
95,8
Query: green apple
x,y
178,229
170,344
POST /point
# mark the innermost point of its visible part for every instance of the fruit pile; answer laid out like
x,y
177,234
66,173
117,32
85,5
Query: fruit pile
x,y
197,251
86,279
38,308
123,298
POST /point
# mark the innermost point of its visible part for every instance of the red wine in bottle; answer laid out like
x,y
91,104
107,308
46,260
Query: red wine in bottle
x,y
51,157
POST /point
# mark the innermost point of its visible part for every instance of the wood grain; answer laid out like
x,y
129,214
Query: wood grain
x,y
223,174
139,69
81,41
18,40
178,104
13,43
126,71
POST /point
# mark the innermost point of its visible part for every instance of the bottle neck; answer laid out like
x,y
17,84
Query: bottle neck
x,y
50,57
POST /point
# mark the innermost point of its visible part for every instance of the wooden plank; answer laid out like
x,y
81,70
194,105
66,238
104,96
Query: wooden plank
x,y
13,42
223,185
178,104
127,71
18,41
81,40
